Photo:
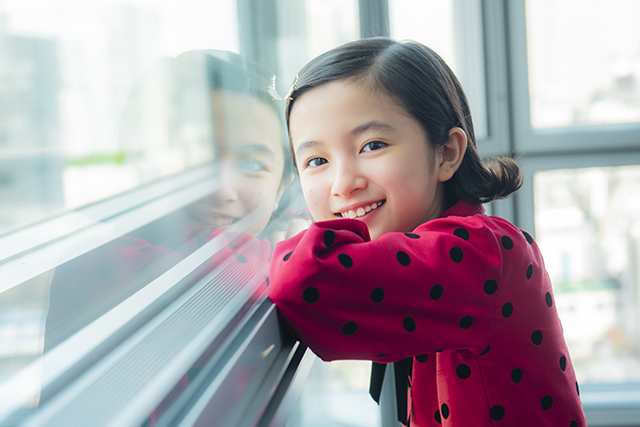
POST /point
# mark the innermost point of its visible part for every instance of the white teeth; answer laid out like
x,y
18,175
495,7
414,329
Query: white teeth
x,y
361,211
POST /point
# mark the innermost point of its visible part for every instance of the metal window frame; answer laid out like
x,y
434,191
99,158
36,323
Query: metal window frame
x,y
554,140
241,328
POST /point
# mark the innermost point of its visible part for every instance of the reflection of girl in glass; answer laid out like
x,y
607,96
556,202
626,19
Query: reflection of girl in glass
x,y
217,108
195,99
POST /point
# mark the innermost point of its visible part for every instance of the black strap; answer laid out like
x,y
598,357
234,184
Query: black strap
x,y
377,377
402,371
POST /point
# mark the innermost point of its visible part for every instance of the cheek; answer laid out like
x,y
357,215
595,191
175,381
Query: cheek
x,y
259,192
315,196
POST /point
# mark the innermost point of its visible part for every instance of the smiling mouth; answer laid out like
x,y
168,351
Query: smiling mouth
x,y
361,211
220,221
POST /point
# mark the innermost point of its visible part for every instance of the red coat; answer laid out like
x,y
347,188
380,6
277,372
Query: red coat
x,y
466,294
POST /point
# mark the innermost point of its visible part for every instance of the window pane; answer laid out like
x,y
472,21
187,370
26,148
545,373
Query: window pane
x,y
68,70
584,62
453,28
588,229
336,394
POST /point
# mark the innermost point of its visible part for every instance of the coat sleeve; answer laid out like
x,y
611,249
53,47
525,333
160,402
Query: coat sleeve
x,y
401,295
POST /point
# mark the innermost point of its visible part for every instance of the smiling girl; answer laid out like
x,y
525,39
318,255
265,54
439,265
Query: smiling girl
x,y
402,265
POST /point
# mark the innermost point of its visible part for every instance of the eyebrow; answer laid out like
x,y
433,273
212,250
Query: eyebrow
x,y
372,125
253,148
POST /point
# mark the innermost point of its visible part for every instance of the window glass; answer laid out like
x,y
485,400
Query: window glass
x,y
336,394
588,229
453,28
68,69
584,62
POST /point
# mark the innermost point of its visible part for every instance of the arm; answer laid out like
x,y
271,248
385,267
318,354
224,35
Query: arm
x,y
400,295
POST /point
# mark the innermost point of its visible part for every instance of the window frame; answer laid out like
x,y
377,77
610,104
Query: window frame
x,y
553,140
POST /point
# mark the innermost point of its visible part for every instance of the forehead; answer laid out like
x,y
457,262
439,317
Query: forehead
x,y
340,107
240,119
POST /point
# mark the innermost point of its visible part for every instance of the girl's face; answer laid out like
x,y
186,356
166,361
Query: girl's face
x,y
360,155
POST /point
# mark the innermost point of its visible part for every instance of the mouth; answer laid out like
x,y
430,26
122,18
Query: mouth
x,y
360,211
220,221
214,219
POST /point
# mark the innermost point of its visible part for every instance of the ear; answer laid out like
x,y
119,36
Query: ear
x,y
451,154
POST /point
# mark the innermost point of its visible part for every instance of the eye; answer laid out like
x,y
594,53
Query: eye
x,y
315,162
252,166
373,146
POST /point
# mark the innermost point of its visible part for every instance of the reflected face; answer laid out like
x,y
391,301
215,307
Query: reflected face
x,y
250,158
361,156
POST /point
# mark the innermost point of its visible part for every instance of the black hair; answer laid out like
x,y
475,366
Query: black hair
x,y
420,82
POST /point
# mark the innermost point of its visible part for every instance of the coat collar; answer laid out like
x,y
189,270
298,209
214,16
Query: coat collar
x,y
463,208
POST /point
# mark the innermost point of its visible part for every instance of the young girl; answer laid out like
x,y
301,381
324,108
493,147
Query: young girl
x,y
401,261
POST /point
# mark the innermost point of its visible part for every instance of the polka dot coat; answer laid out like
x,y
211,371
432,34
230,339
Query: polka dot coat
x,y
466,295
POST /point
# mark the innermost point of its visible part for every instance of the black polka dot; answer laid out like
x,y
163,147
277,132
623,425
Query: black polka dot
x,y
437,351
445,411
381,355
507,243
310,295
412,236
409,324
490,287
497,412
516,375
345,260
436,292
350,328
377,295
359,234
233,245
563,363
573,424
436,415
577,388
266,279
144,249
548,298
485,351
507,310
422,358
529,271
329,237
536,337
241,258
461,233
546,402
403,258
456,254
466,322
287,256
528,237
463,371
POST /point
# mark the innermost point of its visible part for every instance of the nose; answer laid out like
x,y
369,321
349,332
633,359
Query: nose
x,y
348,179
226,191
